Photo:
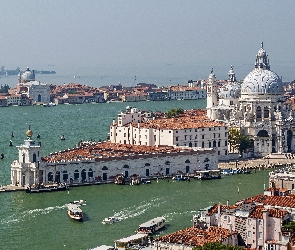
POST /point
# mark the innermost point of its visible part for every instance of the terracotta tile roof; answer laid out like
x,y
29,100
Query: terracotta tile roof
x,y
223,208
273,212
196,237
191,119
281,201
96,150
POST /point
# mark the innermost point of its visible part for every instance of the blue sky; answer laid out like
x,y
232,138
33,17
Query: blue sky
x,y
100,32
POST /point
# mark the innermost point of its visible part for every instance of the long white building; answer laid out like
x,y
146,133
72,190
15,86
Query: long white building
x,y
191,129
95,161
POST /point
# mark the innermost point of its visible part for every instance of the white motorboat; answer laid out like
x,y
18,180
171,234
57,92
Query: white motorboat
x,y
110,220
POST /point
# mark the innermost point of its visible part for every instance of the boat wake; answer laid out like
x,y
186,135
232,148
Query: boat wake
x,y
29,214
136,210
169,216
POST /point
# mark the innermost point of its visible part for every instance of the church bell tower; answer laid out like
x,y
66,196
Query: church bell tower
x,y
212,95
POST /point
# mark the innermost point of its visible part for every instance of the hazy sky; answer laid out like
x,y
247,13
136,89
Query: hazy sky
x,y
97,32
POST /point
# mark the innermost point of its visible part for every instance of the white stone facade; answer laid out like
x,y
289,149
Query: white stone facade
x,y
257,107
30,168
39,92
131,129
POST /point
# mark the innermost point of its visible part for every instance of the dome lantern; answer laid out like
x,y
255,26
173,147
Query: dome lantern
x,y
262,80
29,133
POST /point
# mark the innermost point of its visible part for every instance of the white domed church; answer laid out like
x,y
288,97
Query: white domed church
x,y
257,106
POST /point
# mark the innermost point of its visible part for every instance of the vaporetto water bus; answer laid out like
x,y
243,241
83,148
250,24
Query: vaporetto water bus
x,y
151,226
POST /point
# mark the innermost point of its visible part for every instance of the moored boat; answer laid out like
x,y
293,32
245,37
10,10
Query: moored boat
x,y
74,211
208,174
151,226
46,188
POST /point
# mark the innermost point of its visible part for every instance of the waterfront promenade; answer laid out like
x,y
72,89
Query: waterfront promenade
x,y
265,162
274,160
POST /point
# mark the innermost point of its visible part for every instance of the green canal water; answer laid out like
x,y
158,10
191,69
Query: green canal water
x,y
39,221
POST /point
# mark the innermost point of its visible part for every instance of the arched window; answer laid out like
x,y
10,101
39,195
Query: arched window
x,y
258,112
214,144
262,133
57,177
65,175
266,112
125,166
50,176
104,168
147,164
34,157
76,174
83,174
90,172
187,161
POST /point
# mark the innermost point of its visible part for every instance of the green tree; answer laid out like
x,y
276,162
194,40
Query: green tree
x,y
4,89
217,246
238,141
175,112
71,91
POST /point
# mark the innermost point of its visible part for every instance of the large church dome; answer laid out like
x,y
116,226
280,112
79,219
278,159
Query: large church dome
x,y
28,76
262,80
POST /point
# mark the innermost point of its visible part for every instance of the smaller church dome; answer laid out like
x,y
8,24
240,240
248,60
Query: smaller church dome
x,y
212,75
28,75
231,90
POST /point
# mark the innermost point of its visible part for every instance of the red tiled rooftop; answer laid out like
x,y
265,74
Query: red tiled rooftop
x,y
273,212
95,150
281,201
191,119
196,237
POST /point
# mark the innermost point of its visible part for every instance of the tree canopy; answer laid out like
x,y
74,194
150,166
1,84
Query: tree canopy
x,y
174,112
4,89
237,140
217,246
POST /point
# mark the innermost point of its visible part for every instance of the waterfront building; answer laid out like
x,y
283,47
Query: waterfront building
x,y
181,92
257,107
95,161
158,95
27,85
3,100
282,180
132,97
191,129
74,93
260,220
